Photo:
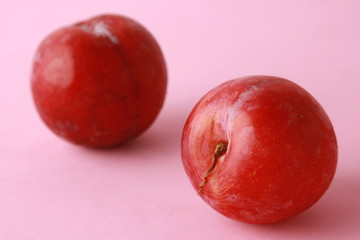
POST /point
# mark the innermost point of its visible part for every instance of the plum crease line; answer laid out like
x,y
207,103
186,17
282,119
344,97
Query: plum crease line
x,y
220,150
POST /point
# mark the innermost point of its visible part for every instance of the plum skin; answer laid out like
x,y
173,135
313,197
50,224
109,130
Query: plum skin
x,y
99,82
281,149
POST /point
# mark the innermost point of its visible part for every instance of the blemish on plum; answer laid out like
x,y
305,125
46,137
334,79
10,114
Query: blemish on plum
x,y
59,68
99,29
220,150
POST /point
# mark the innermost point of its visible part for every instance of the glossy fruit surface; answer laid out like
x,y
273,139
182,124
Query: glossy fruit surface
x,y
259,149
99,82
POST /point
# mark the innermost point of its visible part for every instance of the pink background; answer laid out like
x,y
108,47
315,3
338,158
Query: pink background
x,y
50,189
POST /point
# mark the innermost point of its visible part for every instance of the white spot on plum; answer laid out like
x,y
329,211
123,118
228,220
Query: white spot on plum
x,y
212,202
98,132
288,204
318,152
63,127
221,159
246,133
37,57
242,99
85,27
101,29
59,67
65,38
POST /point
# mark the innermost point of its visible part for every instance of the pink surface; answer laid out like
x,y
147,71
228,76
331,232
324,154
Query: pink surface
x,y
50,189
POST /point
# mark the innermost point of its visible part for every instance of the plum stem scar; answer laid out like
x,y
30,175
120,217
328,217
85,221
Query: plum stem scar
x,y
220,150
